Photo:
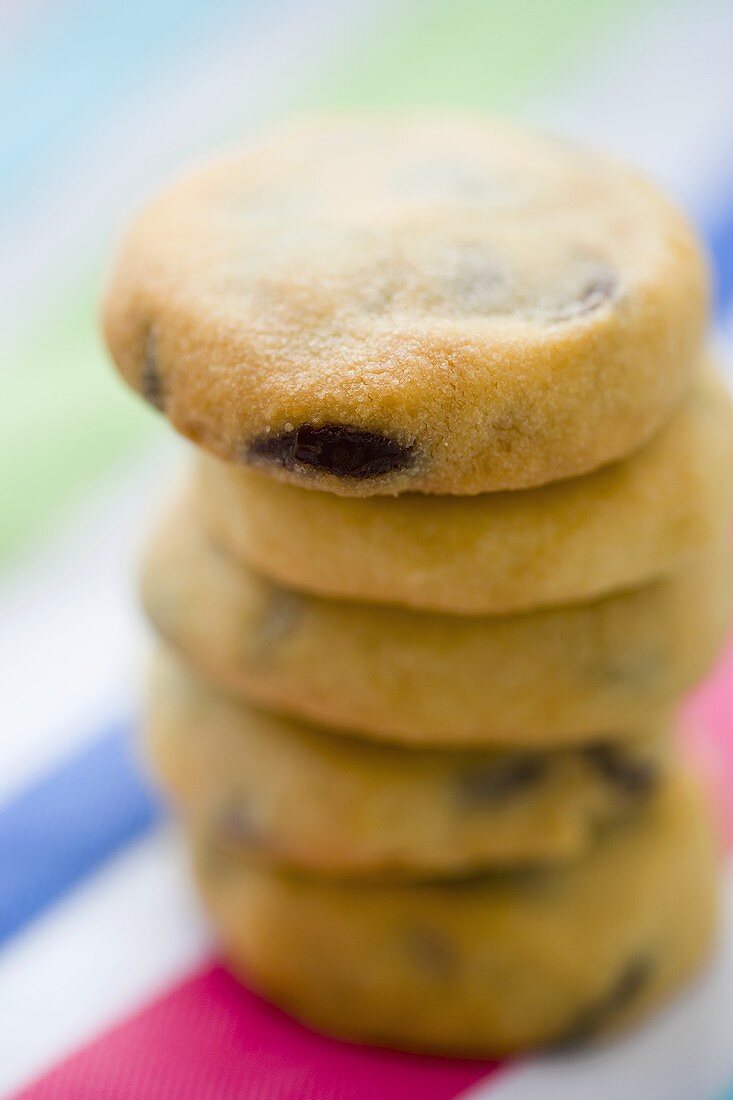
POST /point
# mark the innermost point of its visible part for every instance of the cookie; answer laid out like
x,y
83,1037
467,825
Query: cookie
x,y
377,305
601,670
498,963
575,540
300,796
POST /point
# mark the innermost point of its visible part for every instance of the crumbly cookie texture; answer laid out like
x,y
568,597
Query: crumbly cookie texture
x,y
294,794
485,966
376,305
602,670
620,526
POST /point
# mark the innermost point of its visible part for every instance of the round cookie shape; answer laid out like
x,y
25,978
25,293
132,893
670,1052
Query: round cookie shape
x,y
618,527
487,966
286,792
377,305
600,671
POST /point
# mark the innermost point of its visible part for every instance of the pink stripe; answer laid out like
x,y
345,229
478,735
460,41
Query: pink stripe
x,y
709,713
209,1039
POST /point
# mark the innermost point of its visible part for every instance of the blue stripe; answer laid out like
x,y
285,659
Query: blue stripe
x,y
719,236
67,823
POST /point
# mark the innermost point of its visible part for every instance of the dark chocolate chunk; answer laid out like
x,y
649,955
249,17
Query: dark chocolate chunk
x,y
151,383
592,1020
485,784
336,448
432,950
629,773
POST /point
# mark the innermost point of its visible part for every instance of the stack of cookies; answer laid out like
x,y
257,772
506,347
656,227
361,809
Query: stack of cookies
x,y
453,551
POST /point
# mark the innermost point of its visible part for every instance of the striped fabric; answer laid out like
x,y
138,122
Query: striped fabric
x,y
109,984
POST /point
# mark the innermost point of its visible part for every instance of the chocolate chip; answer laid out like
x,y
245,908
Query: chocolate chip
x,y
597,292
629,773
235,825
336,448
595,1017
279,617
432,950
485,784
151,384
599,288
636,670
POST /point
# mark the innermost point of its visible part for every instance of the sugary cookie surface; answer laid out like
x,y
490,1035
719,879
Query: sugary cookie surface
x,y
614,529
376,305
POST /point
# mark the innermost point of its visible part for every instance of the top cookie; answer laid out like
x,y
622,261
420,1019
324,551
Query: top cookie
x,y
371,306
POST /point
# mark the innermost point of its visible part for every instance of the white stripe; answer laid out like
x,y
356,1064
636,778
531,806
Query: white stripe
x,y
70,633
17,21
660,93
684,1053
117,941
724,344
254,67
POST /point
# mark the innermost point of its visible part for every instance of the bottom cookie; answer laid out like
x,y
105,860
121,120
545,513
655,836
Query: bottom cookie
x,y
307,797
484,966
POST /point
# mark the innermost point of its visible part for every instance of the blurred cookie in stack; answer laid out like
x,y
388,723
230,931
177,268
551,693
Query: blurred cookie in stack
x,y
429,605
